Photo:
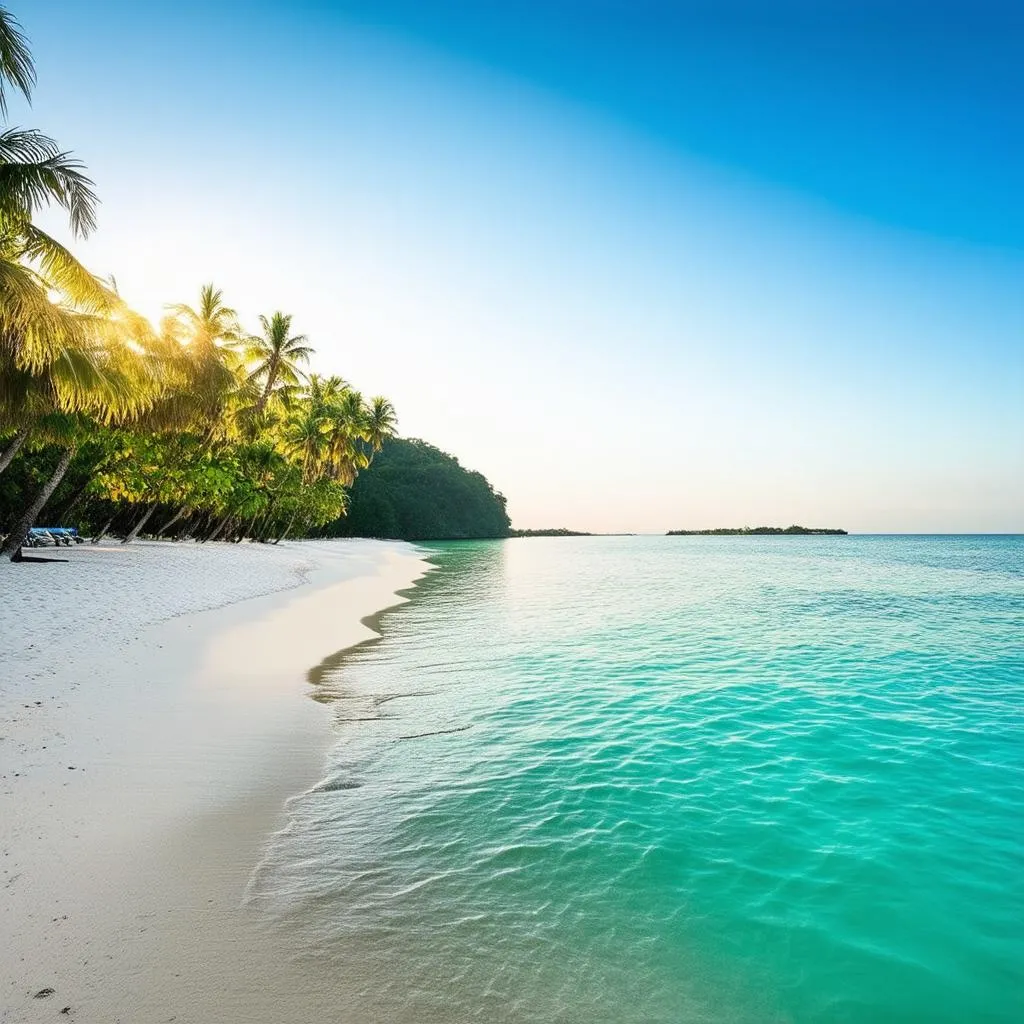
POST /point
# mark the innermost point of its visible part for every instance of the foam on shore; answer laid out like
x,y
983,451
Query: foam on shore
x,y
153,720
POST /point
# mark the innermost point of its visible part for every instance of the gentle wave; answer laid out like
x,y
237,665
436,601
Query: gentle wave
x,y
676,779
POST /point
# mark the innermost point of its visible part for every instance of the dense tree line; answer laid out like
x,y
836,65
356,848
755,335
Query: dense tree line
x,y
559,531
196,428
760,531
414,491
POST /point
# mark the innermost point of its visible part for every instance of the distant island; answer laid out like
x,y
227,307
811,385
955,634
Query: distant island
x,y
559,532
759,531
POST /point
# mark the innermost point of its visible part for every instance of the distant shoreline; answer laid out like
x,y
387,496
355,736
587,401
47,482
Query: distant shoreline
x,y
559,532
720,531
760,531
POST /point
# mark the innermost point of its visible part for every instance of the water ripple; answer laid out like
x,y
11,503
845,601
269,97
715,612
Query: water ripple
x,y
680,779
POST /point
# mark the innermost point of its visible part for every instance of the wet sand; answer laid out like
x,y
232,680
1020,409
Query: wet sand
x,y
154,719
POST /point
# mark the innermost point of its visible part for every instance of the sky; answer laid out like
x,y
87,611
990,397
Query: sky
x,y
645,265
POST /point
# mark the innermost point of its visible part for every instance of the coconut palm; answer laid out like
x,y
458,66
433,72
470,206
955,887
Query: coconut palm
x,y
74,359
322,391
212,323
348,430
202,383
383,422
201,348
35,172
277,357
66,345
65,336
305,439
16,65
116,387
49,350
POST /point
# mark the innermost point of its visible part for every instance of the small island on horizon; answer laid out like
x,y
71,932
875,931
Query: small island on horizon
x,y
760,531
556,532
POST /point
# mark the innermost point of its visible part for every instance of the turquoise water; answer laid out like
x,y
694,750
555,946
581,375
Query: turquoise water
x,y
676,779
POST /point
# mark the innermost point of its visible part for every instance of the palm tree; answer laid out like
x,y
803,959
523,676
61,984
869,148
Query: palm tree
x,y
47,349
35,172
305,439
16,65
383,422
202,384
200,347
347,423
66,338
41,345
212,323
116,387
277,357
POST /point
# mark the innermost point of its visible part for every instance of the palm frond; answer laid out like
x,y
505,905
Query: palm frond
x,y
16,65
63,272
34,173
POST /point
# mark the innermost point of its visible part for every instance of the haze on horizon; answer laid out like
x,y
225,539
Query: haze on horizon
x,y
645,265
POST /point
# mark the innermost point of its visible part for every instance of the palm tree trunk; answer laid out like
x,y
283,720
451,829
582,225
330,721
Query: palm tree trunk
x,y
268,387
12,547
99,536
261,402
77,497
265,527
170,522
135,530
215,532
80,493
250,529
288,528
201,525
266,521
7,457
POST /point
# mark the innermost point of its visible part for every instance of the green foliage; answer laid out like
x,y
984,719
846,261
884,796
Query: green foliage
x,y
16,65
414,491
200,427
231,442
560,531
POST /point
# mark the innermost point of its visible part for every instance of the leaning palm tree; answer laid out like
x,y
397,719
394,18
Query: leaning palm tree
x,y
53,312
98,379
277,357
68,344
202,386
35,172
47,349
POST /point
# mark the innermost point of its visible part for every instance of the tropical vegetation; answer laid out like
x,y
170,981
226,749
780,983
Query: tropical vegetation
x,y
194,428
558,531
760,531
414,491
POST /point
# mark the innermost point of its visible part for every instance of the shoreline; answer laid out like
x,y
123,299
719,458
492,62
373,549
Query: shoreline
x,y
141,777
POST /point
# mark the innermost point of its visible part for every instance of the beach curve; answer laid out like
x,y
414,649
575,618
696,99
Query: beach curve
x,y
154,721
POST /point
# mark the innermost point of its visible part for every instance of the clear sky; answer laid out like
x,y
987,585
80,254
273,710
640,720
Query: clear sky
x,y
646,265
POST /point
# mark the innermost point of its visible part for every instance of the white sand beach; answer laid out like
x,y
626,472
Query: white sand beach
x,y
154,719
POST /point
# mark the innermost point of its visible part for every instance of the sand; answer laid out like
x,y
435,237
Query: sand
x,y
154,719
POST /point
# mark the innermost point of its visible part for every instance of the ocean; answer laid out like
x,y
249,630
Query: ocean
x,y
674,779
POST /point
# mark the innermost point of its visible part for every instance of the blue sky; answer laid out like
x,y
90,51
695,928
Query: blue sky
x,y
646,265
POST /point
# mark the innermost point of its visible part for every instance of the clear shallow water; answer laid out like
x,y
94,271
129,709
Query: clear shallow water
x,y
676,779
